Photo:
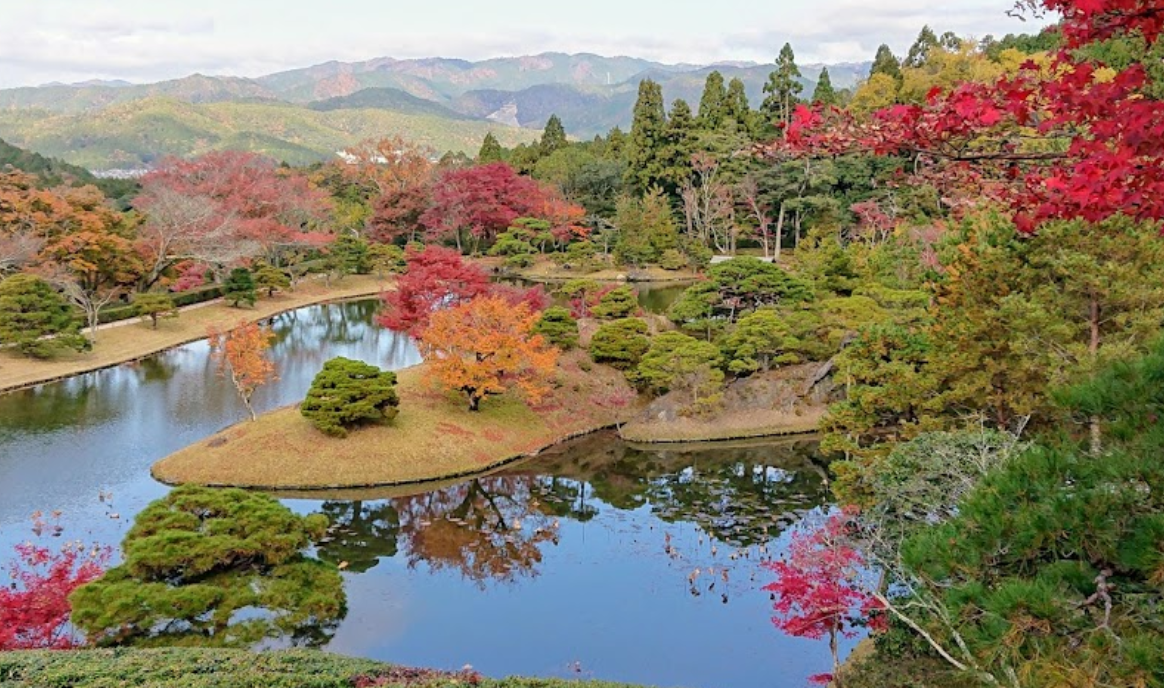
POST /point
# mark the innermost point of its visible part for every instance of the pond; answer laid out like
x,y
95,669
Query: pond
x,y
597,559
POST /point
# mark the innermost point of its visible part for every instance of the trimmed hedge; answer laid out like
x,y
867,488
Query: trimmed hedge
x,y
182,298
206,668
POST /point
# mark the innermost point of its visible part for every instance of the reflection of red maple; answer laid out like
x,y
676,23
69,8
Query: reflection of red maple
x,y
1072,141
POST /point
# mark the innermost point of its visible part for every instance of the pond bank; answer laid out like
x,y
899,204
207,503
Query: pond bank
x,y
128,341
222,668
434,437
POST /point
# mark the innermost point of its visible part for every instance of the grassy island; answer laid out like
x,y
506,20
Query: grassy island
x,y
433,437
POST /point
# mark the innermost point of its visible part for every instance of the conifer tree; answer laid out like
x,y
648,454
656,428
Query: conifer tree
x,y
680,145
553,136
737,106
783,89
885,62
713,104
919,52
648,137
824,93
490,150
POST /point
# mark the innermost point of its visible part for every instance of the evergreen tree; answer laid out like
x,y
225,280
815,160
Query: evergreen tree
x,y
713,105
783,89
553,136
680,146
824,93
738,109
490,150
885,62
239,287
35,320
616,144
348,393
920,50
645,165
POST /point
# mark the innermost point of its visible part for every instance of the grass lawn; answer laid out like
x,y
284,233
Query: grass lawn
x,y
434,436
206,668
133,339
728,425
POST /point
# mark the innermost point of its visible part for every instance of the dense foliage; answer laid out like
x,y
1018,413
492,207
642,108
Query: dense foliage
x,y
346,393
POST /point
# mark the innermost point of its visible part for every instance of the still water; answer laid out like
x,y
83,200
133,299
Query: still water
x,y
598,559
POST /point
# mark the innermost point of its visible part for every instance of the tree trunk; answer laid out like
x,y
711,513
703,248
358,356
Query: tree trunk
x,y
474,401
836,657
780,229
1093,349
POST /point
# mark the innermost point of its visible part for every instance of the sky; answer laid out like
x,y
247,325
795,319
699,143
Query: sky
x,y
149,40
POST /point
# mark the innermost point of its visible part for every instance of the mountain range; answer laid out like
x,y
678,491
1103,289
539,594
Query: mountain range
x,y
305,115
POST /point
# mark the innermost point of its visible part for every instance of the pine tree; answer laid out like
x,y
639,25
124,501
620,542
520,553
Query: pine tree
x,y
824,93
553,136
919,52
490,150
737,106
645,164
885,62
713,105
783,89
240,287
35,320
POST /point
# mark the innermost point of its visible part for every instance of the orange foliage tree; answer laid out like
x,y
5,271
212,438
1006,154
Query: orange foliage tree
x,y
241,355
487,346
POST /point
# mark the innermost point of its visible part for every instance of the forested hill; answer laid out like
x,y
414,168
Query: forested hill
x,y
53,172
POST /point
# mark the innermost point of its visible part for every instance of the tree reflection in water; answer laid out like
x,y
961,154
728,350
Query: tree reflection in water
x,y
735,499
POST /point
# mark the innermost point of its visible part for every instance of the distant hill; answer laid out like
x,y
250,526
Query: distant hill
x,y
53,172
304,115
388,99
136,134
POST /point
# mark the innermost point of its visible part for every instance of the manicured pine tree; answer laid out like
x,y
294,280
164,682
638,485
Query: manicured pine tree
x,y
35,320
239,287
553,136
648,137
824,94
783,89
490,150
713,104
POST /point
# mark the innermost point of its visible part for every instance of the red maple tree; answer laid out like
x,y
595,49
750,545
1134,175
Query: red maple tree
x,y
819,588
471,206
436,277
34,607
1073,141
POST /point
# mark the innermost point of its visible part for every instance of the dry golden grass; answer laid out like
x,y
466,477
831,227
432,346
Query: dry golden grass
x,y
433,437
132,340
736,425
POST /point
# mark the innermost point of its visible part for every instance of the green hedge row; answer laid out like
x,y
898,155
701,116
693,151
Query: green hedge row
x,y
206,668
185,298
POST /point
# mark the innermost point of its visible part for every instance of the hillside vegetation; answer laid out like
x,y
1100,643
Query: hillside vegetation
x,y
136,134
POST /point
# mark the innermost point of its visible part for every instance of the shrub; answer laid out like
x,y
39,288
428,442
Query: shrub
x,y
217,567
239,287
621,302
672,260
271,279
35,319
621,343
677,362
154,305
519,260
347,393
558,327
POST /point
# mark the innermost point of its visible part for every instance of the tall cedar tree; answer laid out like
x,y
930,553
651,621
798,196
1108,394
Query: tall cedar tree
x,y
824,94
487,347
713,104
679,147
553,136
241,355
646,165
783,89
885,62
919,52
490,150
738,108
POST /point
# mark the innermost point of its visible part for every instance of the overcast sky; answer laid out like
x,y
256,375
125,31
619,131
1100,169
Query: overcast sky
x,y
149,40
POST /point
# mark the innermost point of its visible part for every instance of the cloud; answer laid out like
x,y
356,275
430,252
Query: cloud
x,y
69,40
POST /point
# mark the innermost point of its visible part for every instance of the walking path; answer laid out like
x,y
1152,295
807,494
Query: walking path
x,y
131,340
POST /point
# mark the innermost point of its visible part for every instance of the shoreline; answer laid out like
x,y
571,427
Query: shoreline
x,y
166,337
